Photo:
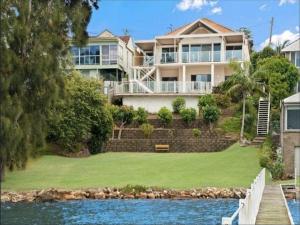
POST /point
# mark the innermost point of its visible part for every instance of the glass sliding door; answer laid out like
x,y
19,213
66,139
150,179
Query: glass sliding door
x,y
217,52
109,54
169,55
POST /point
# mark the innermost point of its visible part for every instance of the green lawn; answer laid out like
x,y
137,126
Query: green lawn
x,y
234,167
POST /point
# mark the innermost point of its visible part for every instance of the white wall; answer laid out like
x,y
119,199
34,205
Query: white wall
x,y
153,103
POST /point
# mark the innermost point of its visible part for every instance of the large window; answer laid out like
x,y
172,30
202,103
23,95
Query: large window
x,y
200,53
201,77
234,52
295,58
169,55
109,54
293,118
88,55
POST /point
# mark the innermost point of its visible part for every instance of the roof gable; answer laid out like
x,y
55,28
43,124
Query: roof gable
x,y
293,99
106,34
292,47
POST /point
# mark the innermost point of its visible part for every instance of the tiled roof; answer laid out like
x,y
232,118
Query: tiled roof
x,y
125,38
218,27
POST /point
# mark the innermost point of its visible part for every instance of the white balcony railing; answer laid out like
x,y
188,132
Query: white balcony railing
x,y
234,55
169,57
189,87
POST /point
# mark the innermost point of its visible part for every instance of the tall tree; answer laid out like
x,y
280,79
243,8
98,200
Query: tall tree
x,y
34,47
242,83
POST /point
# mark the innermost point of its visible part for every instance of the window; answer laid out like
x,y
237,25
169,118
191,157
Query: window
x,y
169,55
227,77
86,56
201,77
185,53
109,54
200,53
293,118
234,52
217,52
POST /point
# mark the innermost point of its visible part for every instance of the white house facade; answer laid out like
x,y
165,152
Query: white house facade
x,y
187,62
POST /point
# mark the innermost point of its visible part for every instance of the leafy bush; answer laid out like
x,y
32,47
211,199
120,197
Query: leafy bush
x,y
133,189
165,116
206,100
178,104
81,120
196,132
211,114
222,100
265,161
122,115
277,170
141,115
147,129
188,115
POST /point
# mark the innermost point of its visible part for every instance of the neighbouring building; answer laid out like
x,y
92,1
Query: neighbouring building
x,y
290,133
105,56
188,61
292,52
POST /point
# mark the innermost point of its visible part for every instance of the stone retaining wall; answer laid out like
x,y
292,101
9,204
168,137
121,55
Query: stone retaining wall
x,y
176,145
115,193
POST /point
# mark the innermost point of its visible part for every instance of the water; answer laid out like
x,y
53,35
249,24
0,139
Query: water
x,y
294,207
115,212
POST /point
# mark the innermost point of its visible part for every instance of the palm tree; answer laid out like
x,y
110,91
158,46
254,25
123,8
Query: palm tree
x,y
279,46
241,83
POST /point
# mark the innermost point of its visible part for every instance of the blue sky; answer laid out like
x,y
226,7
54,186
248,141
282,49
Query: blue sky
x,y
145,19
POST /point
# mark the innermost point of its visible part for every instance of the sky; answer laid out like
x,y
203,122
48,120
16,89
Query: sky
x,y
145,19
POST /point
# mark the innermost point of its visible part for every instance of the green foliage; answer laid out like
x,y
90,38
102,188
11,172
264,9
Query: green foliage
x,y
222,100
141,115
82,118
196,132
277,170
206,100
123,114
165,116
34,47
178,104
275,120
211,114
279,76
267,52
188,115
231,124
147,129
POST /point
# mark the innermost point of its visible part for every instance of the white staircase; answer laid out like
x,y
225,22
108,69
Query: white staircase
x,y
263,118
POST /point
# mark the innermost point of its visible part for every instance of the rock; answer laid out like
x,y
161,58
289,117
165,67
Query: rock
x,y
151,195
100,195
5,197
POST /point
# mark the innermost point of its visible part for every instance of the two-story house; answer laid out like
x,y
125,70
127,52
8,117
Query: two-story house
x,y
105,56
188,61
292,52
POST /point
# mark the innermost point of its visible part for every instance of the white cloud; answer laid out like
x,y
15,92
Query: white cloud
x,y
280,38
263,7
297,28
216,10
282,2
184,5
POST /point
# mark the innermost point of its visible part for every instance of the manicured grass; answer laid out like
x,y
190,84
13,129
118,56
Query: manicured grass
x,y
234,167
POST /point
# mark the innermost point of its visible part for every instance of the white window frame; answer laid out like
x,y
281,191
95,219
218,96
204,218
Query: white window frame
x,y
288,107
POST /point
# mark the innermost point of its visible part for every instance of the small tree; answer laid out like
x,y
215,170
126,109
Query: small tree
x,y
141,115
206,100
178,104
211,115
188,115
123,115
147,129
165,116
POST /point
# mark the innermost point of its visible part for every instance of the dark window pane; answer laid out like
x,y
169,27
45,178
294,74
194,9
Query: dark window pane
x,y
201,77
185,48
206,47
94,50
293,119
293,57
217,47
97,59
81,60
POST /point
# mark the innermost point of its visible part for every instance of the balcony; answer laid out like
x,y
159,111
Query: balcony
x,y
163,87
169,57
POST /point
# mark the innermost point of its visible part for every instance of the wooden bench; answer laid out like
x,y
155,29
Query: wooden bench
x,y
162,148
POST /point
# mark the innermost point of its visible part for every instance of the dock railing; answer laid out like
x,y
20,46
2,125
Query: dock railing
x,y
248,207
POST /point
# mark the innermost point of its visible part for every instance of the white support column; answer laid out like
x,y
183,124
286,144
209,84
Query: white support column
x,y
212,71
223,50
157,80
134,74
183,78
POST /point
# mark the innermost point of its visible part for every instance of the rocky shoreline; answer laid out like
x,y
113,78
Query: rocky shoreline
x,y
53,194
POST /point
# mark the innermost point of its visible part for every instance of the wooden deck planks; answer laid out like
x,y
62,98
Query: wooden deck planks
x,y
272,208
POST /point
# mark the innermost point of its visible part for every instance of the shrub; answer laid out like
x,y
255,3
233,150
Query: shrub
x,y
123,115
141,115
188,115
165,116
206,100
133,189
81,120
196,132
265,161
178,104
277,170
147,129
211,114
222,100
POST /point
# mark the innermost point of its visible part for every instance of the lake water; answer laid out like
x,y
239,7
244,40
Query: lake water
x,y
294,207
115,212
